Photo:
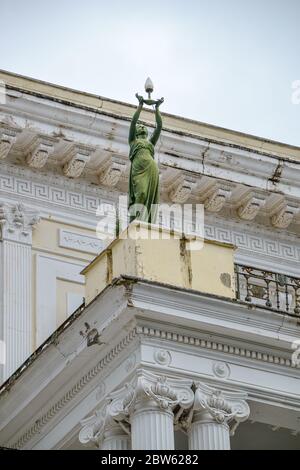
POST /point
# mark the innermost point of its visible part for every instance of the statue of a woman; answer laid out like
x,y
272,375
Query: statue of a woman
x,y
144,174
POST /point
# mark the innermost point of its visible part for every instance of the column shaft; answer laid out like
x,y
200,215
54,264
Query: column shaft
x,y
116,439
152,429
209,436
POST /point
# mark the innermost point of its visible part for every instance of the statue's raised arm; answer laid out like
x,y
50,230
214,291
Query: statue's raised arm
x,y
135,118
155,136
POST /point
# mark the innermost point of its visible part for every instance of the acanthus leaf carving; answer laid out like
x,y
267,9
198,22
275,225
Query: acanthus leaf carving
x,y
222,406
96,427
93,428
17,222
166,393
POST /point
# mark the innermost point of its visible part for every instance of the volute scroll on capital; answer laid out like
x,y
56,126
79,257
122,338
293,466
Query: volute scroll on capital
x,y
164,392
224,407
95,427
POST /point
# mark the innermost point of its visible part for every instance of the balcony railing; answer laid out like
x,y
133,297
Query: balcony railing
x,y
268,289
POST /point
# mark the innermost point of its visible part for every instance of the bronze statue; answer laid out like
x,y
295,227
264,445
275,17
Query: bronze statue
x,y
144,174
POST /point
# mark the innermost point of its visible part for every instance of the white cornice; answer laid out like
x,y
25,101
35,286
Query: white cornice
x,y
231,319
107,134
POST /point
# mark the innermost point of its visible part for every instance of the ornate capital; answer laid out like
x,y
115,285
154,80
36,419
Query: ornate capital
x,y
284,216
75,166
17,222
147,388
221,406
250,209
96,427
111,175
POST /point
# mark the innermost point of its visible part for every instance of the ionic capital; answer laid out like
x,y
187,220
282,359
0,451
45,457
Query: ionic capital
x,y
99,426
148,389
223,407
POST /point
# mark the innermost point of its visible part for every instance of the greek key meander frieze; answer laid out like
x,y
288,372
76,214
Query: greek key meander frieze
x,y
84,197
54,189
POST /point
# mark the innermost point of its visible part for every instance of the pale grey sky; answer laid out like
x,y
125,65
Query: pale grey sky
x,y
226,62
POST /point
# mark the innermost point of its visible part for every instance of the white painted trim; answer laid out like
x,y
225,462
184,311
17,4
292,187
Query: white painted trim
x,y
48,270
79,242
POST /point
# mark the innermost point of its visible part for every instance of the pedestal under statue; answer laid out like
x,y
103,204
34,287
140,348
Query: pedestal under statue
x,y
144,173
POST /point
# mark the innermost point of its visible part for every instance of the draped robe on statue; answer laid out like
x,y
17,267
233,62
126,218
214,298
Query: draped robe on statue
x,y
143,181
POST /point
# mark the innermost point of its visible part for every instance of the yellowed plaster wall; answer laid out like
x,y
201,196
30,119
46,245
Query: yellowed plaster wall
x,y
46,238
159,260
97,278
124,258
213,270
209,269
46,242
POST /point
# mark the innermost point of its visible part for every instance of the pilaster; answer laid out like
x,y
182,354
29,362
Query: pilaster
x,y
16,226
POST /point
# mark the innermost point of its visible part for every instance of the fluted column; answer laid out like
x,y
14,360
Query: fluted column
x,y
115,438
207,434
16,224
152,428
147,403
216,416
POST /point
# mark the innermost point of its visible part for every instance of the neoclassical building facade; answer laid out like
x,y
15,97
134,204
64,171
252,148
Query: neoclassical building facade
x,y
138,343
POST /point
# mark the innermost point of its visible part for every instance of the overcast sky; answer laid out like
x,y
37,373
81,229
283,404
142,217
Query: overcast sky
x,y
226,62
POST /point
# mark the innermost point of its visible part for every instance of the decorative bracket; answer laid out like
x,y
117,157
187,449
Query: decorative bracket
x,y
250,209
284,216
75,166
111,175
216,200
7,139
39,152
182,189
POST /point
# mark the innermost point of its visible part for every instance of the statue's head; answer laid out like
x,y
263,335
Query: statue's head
x,y
141,131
